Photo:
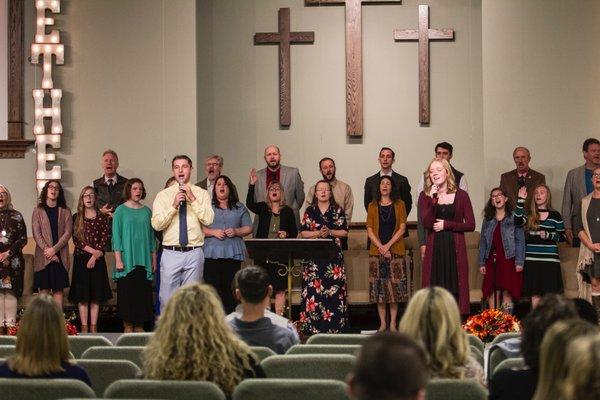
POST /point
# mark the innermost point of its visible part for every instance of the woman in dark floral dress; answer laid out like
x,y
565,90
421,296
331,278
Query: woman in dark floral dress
x,y
13,237
323,307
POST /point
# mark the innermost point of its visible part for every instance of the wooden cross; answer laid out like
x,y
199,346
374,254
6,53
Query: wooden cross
x,y
424,35
284,38
354,83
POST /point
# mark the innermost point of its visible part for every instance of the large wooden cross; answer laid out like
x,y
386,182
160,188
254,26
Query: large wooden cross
x,y
284,38
354,83
424,35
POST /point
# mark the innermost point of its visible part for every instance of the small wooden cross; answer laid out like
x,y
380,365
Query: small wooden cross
x,y
284,38
354,82
424,35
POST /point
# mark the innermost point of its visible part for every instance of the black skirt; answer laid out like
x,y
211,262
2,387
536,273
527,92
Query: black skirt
x,y
54,276
89,284
134,297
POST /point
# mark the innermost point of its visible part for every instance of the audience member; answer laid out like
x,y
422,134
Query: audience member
x,y
578,185
224,248
386,224
583,374
544,228
586,310
275,221
13,237
587,229
288,177
213,167
501,252
180,211
521,176
447,214
323,306
553,353
109,187
194,342
52,225
135,257
254,292
89,283
390,366
432,319
509,384
443,151
42,349
401,185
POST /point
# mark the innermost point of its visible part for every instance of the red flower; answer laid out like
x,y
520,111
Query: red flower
x,y
490,323
327,315
311,304
317,285
337,272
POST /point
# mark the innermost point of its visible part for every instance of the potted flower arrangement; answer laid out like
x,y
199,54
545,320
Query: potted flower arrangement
x,y
490,323
69,326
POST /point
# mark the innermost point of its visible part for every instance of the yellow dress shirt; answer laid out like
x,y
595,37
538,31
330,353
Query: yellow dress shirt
x,y
165,217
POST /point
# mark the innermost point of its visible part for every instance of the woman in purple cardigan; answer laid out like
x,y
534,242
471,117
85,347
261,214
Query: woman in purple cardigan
x,y
52,225
446,213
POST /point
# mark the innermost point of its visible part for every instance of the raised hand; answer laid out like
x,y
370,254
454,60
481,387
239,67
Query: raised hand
x,y
253,176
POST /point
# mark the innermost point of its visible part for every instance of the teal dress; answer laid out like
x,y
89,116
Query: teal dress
x,y
134,238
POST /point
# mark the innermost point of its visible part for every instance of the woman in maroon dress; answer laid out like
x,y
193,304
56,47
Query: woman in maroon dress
x,y
446,213
501,252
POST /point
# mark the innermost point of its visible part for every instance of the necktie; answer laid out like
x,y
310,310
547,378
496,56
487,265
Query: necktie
x,y
183,234
111,185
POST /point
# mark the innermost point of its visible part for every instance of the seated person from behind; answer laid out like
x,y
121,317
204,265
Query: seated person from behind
x,y
253,327
42,348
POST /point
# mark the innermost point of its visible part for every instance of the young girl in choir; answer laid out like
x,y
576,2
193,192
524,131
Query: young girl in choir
x,y
544,229
89,285
501,252
52,224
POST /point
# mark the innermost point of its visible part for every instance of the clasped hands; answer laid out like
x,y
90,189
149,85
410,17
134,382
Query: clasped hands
x,y
221,234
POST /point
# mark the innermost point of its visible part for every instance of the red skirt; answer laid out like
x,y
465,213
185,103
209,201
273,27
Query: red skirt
x,y
502,274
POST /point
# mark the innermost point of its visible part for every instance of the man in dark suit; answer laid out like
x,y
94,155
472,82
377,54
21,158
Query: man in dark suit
x,y
401,185
213,166
512,181
109,187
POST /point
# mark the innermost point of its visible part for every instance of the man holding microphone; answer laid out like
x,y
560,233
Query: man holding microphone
x,y
180,211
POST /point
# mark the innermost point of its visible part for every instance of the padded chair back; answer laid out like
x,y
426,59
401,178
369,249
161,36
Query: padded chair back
x,y
504,336
455,389
262,352
477,355
495,357
6,339
510,363
475,341
43,389
7,350
166,390
290,389
351,349
131,353
337,338
134,339
104,372
309,366
79,344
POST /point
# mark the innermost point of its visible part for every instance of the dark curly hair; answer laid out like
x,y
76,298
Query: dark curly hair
x,y
489,211
60,200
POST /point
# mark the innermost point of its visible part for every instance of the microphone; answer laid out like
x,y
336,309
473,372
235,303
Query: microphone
x,y
434,195
182,202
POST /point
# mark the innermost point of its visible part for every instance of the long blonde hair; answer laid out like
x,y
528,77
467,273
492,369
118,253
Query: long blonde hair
x,y
450,181
533,216
194,342
9,205
78,230
553,368
42,339
432,319
583,375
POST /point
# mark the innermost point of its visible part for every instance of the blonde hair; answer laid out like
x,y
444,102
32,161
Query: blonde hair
x,y
450,181
9,205
193,341
583,375
78,228
42,339
553,367
433,320
533,217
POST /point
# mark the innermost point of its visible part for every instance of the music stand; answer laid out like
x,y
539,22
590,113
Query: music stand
x,y
290,249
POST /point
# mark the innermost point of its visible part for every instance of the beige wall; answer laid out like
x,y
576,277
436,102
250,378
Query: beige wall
x,y
541,84
129,83
244,91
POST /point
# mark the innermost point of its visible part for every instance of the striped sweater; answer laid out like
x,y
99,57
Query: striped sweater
x,y
538,249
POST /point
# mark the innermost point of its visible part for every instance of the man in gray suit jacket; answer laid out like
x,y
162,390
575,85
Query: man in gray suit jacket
x,y
288,177
578,185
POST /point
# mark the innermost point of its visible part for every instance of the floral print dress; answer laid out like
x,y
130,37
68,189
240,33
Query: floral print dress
x,y
323,307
